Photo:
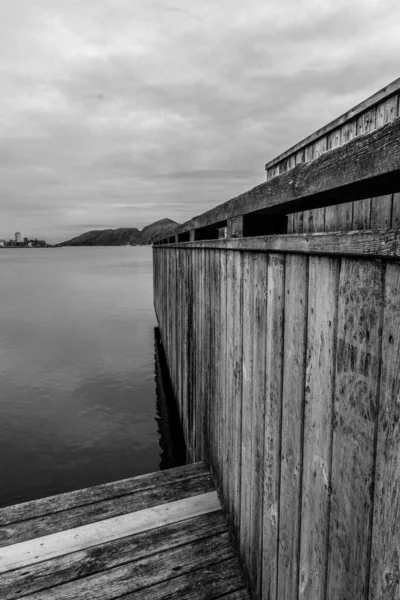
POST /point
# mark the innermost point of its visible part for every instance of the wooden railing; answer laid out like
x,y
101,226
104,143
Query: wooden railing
x,y
284,353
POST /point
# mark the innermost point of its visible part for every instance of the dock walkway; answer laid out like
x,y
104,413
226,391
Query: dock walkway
x,y
157,536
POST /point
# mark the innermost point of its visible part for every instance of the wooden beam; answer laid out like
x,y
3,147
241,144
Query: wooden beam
x,y
367,166
383,243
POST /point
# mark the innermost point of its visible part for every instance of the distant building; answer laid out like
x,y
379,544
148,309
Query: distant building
x,y
3,242
18,238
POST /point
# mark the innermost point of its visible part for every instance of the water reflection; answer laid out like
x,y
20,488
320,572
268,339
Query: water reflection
x,y
172,444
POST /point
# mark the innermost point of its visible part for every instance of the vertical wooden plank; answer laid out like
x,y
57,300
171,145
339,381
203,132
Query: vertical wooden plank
x,y
290,224
298,222
190,408
362,214
349,131
318,220
355,415
396,211
366,122
296,285
339,217
258,404
230,294
381,212
319,394
272,427
308,224
217,342
237,373
385,557
248,331
223,378
212,358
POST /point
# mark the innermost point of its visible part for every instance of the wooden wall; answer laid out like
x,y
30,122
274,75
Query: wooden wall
x,y
286,372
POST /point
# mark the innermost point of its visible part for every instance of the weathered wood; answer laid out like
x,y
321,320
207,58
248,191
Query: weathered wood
x,y
98,493
339,218
209,583
256,466
396,212
144,573
50,573
296,286
384,572
319,393
75,517
247,394
272,425
380,244
50,546
355,416
381,212
237,385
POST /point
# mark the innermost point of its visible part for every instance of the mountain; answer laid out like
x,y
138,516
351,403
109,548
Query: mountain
x,y
123,236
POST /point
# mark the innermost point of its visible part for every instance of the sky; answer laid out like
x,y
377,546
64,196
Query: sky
x,y
117,113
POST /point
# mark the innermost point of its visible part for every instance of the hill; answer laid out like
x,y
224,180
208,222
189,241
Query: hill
x,y
123,236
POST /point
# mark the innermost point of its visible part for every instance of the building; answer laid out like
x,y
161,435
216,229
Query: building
x,y
18,238
2,243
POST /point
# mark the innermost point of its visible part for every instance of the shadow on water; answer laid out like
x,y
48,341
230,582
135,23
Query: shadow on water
x,y
172,443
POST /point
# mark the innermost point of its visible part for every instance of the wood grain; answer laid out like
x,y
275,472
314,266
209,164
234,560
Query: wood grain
x,y
50,573
385,559
57,544
272,422
319,394
296,286
355,416
148,572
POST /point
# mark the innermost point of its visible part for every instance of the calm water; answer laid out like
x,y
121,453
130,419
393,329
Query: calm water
x,y
77,382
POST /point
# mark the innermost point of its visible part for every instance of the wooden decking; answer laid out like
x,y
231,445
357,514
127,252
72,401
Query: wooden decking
x,y
152,537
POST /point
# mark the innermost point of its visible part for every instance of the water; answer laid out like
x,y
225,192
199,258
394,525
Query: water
x,y
77,383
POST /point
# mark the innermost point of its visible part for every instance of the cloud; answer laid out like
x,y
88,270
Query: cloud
x,y
120,113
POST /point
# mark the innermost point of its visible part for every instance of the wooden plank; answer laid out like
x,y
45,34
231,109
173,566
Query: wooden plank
x,y
222,379
218,578
296,284
381,212
396,212
229,393
237,387
90,513
144,573
256,465
357,376
319,394
339,218
384,572
98,493
57,571
247,393
57,544
380,244
273,412
362,214
298,222
334,176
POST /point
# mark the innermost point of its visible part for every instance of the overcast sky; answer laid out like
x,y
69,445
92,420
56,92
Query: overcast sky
x,y
116,113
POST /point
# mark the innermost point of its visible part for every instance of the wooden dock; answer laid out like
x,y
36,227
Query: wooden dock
x,y
152,537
